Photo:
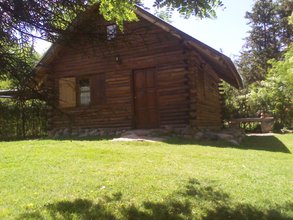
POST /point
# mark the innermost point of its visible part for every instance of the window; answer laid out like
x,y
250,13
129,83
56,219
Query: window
x,y
111,31
90,90
84,91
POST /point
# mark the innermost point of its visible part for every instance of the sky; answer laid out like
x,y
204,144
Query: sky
x,y
226,33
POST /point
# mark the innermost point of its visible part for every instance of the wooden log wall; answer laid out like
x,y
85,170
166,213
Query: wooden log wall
x,y
143,45
222,99
206,110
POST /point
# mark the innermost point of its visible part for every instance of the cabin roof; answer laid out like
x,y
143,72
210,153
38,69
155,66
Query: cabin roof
x,y
221,64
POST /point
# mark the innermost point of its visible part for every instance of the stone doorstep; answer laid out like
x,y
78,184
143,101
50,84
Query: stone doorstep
x,y
140,135
146,139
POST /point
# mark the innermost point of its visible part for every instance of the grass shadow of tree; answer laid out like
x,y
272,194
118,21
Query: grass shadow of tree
x,y
246,212
62,138
263,143
76,209
179,205
267,143
80,208
196,200
87,138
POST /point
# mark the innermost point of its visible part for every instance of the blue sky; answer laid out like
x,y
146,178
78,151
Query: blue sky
x,y
225,33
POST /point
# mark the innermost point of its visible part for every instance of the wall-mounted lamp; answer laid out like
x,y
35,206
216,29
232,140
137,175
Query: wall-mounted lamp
x,y
118,59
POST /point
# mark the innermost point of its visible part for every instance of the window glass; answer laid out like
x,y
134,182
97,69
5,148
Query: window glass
x,y
111,31
84,92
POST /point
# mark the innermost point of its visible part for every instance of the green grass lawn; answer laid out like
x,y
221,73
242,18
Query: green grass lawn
x,y
100,179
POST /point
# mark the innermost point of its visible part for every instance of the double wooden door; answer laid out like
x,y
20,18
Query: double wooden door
x,y
145,99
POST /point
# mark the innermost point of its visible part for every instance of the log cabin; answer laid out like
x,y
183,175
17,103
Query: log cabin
x,y
151,75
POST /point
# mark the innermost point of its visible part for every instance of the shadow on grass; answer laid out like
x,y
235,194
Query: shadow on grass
x,y
247,212
88,138
196,200
76,209
62,138
265,143
74,138
268,143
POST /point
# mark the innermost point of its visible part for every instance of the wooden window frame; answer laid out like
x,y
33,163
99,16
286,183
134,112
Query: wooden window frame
x,y
97,96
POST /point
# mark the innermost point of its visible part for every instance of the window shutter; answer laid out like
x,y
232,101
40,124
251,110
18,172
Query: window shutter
x,y
99,89
67,92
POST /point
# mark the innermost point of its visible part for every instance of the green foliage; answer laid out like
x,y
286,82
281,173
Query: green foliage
x,y
5,84
282,71
101,179
118,11
17,63
275,94
201,9
235,102
165,15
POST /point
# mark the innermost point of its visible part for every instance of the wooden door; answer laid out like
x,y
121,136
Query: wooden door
x,y
145,99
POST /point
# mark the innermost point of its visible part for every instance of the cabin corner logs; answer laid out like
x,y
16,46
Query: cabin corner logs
x,y
151,79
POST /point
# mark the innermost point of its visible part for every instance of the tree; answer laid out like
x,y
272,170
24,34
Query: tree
x,y
265,64
24,21
201,9
164,15
268,37
284,11
16,64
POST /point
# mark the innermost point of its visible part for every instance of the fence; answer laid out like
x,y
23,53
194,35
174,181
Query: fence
x,y
22,119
